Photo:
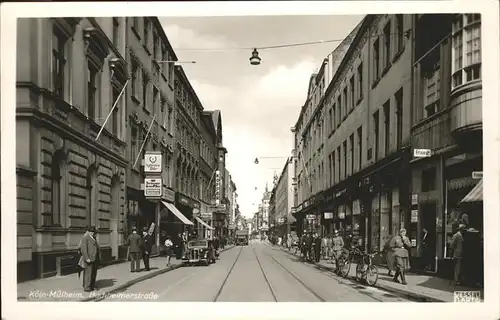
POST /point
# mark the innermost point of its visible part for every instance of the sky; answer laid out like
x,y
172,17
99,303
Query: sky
x,y
259,104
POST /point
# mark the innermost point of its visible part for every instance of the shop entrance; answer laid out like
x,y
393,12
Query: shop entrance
x,y
428,221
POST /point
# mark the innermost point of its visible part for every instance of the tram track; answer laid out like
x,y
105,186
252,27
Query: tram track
x,y
273,293
221,288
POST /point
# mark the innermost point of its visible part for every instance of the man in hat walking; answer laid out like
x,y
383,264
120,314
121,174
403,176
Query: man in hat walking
x,y
89,259
147,245
134,242
456,247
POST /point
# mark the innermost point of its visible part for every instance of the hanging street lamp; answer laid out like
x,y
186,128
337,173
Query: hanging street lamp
x,y
255,59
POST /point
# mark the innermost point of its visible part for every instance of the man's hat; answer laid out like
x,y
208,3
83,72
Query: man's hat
x,y
134,228
336,232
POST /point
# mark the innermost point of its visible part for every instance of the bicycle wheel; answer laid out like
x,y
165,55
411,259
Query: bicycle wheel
x,y
344,266
372,275
359,271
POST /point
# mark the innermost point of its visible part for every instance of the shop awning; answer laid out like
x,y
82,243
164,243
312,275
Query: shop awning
x,y
475,195
203,223
177,213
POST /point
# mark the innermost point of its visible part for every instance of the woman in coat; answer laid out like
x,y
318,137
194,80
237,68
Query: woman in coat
x,y
399,244
389,256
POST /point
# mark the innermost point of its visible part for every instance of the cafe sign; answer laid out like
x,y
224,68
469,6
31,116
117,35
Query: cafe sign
x,y
152,162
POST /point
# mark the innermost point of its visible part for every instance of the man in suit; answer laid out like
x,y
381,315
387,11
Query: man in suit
x,y
147,245
456,248
134,242
89,259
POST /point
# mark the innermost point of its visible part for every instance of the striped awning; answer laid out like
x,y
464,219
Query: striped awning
x,y
475,195
203,223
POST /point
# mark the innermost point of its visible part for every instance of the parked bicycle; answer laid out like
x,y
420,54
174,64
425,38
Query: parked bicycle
x,y
365,270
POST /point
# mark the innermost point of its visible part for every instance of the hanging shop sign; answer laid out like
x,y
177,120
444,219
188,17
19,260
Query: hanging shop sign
x,y
422,153
152,162
414,216
477,174
153,187
328,215
217,187
311,217
341,215
206,215
414,199
168,195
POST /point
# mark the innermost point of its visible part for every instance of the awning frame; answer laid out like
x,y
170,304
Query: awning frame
x,y
177,213
204,223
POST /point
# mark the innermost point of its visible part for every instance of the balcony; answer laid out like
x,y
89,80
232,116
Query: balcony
x,y
466,113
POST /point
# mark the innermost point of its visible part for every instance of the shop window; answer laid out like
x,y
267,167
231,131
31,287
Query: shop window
x,y
429,180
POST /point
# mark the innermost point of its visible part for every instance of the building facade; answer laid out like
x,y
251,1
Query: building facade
x,y
150,123
363,184
68,73
447,121
284,221
208,166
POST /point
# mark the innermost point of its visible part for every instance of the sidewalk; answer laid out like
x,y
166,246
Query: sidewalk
x,y
420,287
110,279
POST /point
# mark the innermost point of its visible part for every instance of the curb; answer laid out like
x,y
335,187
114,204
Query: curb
x,y
102,295
404,293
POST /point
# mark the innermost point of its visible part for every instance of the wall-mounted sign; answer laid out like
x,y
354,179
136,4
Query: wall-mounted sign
x,y
196,211
217,187
310,216
477,174
413,242
328,215
168,195
422,153
153,187
414,199
206,215
152,162
414,216
342,215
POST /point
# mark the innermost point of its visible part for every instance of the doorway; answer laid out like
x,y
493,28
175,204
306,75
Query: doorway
x,y
428,222
114,219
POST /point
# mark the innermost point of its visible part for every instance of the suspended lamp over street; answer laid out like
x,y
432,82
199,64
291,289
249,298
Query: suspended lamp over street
x,y
254,59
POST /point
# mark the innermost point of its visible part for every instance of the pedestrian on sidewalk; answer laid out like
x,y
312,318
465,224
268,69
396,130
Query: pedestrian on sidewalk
x,y
456,247
168,250
317,247
337,246
89,260
389,257
134,249
400,245
425,251
147,245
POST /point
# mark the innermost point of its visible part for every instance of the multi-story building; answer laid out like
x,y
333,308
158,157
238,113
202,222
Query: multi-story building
x,y
285,222
69,73
364,118
264,212
272,209
309,139
150,121
207,166
447,123
187,152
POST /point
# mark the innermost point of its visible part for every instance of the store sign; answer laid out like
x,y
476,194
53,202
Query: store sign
x,y
342,215
477,174
328,215
422,153
168,195
196,211
414,199
310,216
217,187
152,162
153,187
414,216
206,215
413,242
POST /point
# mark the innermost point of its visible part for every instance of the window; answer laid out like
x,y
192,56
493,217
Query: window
x,y
145,82
360,81
334,117
353,95
155,46
135,69
164,113
351,145
360,148
387,44
155,100
399,32
345,104
344,148
466,59
115,117
116,32
338,164
399,118
339,111
432,83
146,32
136,24
329,120
58,62
387,128
376,60
133,143
376,132
56,191
164,57
91,90
169,119
329,170
429,180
